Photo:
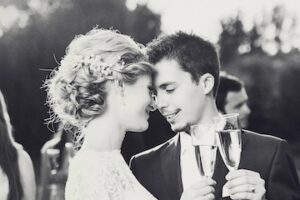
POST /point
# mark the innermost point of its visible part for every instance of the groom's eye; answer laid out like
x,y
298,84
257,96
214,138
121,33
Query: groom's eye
x,y
170,89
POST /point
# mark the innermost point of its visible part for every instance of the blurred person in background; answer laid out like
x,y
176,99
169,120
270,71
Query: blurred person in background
x,y
102,87
17,179
232,98
55,157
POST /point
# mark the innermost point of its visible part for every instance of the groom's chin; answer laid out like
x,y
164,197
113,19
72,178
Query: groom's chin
x,y
177,128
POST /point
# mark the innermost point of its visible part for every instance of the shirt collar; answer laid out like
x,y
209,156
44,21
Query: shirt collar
x,y
185,143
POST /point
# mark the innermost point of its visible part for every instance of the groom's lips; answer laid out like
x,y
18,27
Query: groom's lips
x,y
171,116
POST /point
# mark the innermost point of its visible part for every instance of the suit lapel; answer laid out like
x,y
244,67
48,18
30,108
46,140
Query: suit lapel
x,y
170,165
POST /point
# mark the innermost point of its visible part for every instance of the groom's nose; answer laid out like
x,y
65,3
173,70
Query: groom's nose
x,y
161,102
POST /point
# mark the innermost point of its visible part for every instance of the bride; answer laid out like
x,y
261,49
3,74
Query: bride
x,y
103,89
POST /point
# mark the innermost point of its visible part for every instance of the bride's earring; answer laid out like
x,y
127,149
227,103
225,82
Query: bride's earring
x,y
120,86
123,99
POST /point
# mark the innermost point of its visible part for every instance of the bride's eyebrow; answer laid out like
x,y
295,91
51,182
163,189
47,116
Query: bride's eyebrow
x,y
150,87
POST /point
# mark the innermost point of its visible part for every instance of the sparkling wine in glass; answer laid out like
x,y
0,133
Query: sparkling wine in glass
x,y
229,140
203,139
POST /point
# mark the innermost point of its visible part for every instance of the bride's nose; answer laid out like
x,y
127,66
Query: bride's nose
x,y
152,105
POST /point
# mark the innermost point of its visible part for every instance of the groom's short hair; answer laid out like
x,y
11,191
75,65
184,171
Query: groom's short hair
x,y
196,55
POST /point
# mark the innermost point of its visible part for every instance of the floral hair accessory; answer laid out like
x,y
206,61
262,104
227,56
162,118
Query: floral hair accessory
x,y
97,66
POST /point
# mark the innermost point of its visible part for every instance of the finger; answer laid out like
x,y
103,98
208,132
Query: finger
x,y
206,197
241,172
244,180
260,191
243,195
248,191
203,183
246,188
209,197
206,191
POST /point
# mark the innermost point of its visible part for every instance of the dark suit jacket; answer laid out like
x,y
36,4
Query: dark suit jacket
x,y
158,169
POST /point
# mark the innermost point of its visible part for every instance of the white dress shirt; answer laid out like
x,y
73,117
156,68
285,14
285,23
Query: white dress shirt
x,y
189,169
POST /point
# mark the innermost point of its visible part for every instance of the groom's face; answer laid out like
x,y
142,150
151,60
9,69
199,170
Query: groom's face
x,y
179,99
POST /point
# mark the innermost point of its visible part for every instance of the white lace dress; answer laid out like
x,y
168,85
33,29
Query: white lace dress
x,y
4,188
103,176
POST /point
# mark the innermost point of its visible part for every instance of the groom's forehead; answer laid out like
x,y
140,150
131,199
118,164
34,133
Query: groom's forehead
x,y
167,71
162,80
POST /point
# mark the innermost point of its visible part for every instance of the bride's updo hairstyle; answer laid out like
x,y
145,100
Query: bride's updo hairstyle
x,y
77,88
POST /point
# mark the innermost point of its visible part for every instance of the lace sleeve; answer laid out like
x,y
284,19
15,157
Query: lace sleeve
x,y
105,176
86,181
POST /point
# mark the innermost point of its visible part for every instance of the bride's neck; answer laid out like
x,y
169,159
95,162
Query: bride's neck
x,y
103,134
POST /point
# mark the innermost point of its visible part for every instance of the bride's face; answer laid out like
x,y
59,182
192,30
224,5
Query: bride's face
x,y
136,105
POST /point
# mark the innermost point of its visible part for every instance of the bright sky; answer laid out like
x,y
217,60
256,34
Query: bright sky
x,y
199,16
203,16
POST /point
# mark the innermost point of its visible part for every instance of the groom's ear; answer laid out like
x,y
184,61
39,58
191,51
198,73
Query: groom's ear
x,y
207,82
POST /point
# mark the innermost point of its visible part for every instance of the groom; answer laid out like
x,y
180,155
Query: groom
x,y
187,82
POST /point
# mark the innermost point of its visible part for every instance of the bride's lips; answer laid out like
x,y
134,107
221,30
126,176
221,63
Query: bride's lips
x,y
147,113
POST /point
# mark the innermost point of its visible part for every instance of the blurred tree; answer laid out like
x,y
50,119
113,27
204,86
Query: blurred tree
x,y
143,18
231,39
27,54
254,39
275,34
285,27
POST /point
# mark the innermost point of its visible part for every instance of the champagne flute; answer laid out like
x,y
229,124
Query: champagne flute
x,y
53,159
53,156
205,149
229,140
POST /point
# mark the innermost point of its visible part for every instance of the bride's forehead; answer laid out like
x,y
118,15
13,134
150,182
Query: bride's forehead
x,y
143,82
